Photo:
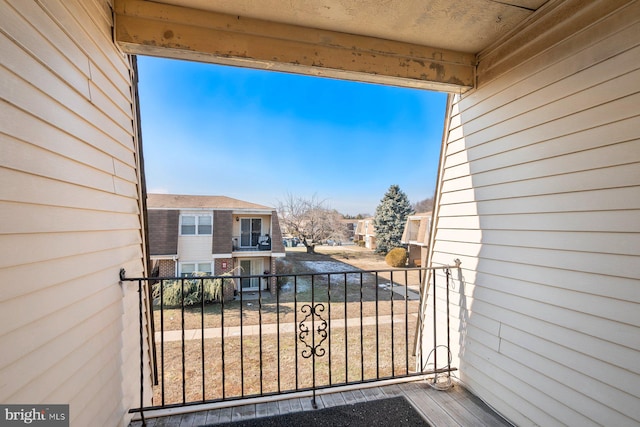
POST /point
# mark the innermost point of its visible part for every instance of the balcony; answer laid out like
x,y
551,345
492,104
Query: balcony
x,y
323,340
252,243
454,407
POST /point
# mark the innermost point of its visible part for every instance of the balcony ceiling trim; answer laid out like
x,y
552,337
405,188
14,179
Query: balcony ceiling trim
x,y
149,28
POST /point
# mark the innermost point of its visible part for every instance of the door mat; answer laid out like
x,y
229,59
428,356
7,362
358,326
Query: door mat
x,y
395,411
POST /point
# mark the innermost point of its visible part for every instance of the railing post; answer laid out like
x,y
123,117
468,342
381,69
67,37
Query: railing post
x,y
406,321
393,365
278,328
241,342
184,358
204,395
435,329
448,274
163,387
122,276
377,328
140,317
260,334
329,328
361,331
295,320
223,378
346,332
313,340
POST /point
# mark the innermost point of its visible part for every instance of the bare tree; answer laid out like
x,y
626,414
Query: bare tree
x,y
425,205
310,220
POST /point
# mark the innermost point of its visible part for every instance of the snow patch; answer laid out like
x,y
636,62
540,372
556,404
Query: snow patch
x,y
327,266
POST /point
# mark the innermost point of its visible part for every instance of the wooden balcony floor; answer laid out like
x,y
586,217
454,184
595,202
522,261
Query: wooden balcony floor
x,y
453,407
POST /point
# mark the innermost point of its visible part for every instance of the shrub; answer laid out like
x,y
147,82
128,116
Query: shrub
x,y
172,293
283,267
396,257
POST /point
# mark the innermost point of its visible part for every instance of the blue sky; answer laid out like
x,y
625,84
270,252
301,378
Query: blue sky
x,y
259,135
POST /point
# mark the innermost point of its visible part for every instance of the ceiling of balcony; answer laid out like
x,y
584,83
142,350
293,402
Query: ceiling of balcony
x,y
460,25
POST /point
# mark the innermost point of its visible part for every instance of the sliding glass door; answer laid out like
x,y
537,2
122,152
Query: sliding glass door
x,y
250,230
249,267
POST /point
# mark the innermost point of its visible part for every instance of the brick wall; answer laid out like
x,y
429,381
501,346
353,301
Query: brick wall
x,y
163,231
222,266
222,232
276,234
273,282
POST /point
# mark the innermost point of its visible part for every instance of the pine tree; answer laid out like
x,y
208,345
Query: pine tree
x,y
391,216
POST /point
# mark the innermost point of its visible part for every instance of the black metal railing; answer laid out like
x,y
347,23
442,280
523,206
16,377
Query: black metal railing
x,y
307,332
251,243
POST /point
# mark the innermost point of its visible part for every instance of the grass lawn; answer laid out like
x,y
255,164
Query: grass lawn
x,y
354,354
256,364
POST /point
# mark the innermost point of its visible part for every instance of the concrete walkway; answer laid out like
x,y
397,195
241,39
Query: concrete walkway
x,y
272,328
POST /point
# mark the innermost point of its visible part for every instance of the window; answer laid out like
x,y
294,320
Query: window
x,y
188,268
188,224
191,225
204,225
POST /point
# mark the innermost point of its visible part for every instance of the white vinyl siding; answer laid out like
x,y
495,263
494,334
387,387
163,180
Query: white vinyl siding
x,y
540,200
70,210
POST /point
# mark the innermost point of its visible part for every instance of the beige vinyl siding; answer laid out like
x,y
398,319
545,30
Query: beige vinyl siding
x,y
69,203
540,199
195,248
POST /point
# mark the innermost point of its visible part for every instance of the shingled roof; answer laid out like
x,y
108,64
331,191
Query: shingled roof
x,y
169,201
